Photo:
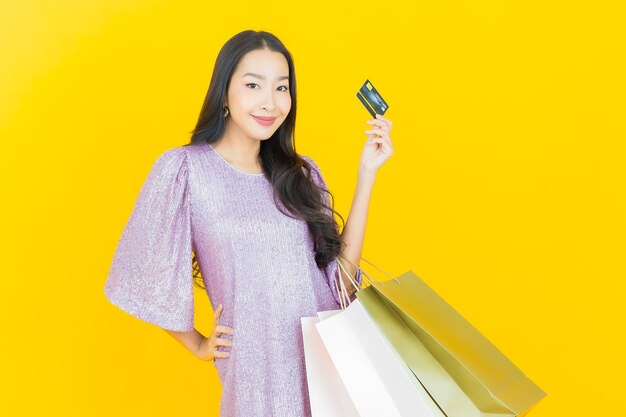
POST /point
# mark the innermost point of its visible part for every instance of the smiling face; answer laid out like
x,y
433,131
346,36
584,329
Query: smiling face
x,y
259,86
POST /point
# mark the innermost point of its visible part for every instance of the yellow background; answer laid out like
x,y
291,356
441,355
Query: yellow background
x,y
505,193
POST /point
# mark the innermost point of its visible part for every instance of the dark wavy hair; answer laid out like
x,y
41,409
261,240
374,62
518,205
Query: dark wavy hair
x,y
289,174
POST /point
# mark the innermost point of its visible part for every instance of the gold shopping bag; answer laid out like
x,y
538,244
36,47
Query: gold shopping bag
x,y
464,373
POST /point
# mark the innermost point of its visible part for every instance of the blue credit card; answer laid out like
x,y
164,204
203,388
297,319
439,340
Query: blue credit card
x,y
371,99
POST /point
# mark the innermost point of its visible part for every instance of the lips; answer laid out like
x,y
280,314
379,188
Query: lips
x,y
265,121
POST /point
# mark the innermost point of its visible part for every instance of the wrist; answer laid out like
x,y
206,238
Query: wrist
x,y
199,348
366,177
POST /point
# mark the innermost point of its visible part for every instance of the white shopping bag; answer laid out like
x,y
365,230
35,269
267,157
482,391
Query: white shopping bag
x,y
327,394
376,378
352,369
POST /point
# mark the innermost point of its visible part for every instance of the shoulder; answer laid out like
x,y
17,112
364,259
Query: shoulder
x,y
315,171
184,155
171,163
173,155
187,154
311,163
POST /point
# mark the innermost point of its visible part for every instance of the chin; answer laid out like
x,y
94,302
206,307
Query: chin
x,y
264,136
268,137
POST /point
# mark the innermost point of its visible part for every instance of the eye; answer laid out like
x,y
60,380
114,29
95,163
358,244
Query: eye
x,y
286,88
252,84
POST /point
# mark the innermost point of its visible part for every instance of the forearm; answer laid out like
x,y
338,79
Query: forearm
x,y
191,339
353,234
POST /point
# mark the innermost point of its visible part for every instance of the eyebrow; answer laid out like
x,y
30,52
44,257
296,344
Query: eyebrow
x,y
284,77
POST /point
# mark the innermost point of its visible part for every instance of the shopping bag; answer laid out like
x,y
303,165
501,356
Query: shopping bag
x,y
352,370
376,378
464,373
327,394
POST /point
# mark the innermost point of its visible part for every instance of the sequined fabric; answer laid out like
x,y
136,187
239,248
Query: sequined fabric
x,y
255,260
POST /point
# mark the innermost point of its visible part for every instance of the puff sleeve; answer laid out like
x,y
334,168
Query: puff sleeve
x,y
151,273
331,271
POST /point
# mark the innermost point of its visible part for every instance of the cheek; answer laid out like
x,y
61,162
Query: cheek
x,y
240,97
285,103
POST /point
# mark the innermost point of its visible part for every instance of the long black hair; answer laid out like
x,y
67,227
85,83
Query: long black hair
x,y
289,174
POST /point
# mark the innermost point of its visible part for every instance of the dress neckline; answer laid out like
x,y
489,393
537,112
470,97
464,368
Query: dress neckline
x,y
253,174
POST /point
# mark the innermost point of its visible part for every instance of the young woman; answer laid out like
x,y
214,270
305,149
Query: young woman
x,y
238,205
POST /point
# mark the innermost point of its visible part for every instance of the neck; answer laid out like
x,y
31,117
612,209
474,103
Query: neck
x,y
239,150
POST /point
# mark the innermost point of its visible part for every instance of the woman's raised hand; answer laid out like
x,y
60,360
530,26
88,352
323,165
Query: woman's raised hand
x,y
378,146
208,347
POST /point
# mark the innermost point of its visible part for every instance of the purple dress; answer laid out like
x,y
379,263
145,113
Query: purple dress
x,y
257,261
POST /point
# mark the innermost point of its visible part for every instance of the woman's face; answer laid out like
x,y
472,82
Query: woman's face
x,y
259,86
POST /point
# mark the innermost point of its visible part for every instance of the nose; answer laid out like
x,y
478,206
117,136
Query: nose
x,y
268,102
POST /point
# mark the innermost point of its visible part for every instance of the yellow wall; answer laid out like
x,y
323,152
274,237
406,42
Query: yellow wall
x,y
505,193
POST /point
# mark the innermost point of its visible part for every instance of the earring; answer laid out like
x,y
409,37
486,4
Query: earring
x,y
225,111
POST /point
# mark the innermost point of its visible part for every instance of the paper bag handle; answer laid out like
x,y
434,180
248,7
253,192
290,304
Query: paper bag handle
x,y
343,292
